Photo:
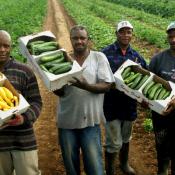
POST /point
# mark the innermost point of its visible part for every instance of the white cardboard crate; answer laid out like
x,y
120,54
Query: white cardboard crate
x,y
21,108
156,105
51,81
23,41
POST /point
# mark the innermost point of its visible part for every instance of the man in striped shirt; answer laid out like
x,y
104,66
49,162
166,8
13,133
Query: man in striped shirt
x,y
18,148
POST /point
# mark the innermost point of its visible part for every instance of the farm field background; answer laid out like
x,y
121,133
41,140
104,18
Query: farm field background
x,y
24,17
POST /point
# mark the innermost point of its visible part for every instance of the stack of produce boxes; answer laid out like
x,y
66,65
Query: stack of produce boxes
x,y
48,60
11,102
142,85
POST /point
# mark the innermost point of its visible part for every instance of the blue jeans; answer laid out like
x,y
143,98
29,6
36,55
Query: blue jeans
x,y
89,140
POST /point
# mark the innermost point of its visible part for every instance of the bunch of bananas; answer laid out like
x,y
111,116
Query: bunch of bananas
x,y
7,99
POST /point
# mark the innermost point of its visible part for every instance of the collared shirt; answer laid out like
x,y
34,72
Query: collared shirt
x,y
24,81
117,105
79,108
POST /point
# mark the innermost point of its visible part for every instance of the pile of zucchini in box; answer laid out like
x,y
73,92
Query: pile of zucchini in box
x,y
143,85
153,90
54,63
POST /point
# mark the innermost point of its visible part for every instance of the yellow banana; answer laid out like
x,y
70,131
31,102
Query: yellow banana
x,y
0,107
4,105
8,93
16,100
3,95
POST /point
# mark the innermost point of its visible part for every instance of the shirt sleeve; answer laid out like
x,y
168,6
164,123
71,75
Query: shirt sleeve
x,y
33,97
104,73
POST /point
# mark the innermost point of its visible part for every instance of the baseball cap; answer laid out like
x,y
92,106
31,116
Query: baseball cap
x,y
171,26
123,24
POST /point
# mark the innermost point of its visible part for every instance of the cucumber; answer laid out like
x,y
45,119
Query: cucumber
x,y
131,78
43,67
59,66
136,81
157,93
166,94
54,62
49,58
147,87
162,93
125,72
63,69
142,81
153,90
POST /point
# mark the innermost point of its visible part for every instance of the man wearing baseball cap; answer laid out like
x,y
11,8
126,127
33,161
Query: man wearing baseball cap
x,y
163,64
120,117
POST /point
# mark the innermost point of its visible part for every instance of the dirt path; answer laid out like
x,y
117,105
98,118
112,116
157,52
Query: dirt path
x,y
142,157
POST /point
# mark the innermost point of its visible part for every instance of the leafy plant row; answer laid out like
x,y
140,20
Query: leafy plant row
x,y
163,8
142,30
21,18
101,33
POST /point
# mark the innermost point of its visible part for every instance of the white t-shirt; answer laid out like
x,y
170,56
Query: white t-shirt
x,y
79,108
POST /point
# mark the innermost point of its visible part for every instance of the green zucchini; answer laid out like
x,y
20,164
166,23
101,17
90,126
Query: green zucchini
x,y
136,81
147,87
52,57
153,90
58,66
125,72
142,81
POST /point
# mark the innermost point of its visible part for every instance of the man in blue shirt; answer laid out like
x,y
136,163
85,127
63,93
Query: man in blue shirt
x,y
119,109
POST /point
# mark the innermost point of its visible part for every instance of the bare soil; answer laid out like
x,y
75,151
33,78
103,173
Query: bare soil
x,y
142,149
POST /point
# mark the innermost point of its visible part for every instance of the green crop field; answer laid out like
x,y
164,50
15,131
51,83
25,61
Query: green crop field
x,y
21,18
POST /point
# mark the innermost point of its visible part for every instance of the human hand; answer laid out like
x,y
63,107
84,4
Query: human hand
x,y
144,104
16,120
80,83
67,56
170,107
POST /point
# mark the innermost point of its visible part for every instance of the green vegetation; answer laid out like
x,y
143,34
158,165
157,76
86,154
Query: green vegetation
x,y
22,18
163,8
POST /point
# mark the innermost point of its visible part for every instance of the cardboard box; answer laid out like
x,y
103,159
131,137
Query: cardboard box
x,y
54,82
21,108
23,42
51,81
156,105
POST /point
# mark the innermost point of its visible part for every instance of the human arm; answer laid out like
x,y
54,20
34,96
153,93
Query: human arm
x,y
100,87
31,93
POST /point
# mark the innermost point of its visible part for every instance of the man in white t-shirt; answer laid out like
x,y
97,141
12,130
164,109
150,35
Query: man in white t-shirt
x,y
81,108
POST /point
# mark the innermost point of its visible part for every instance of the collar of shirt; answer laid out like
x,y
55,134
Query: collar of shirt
x,y
118,49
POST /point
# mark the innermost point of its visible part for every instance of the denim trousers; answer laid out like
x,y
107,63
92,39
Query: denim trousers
x,y
117,133
89,141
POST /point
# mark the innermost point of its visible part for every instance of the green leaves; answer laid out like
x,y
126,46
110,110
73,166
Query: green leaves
x,y
22,18
147,124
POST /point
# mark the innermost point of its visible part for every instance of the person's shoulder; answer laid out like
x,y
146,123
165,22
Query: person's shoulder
x,y
98,54
160,54
21,66
108,47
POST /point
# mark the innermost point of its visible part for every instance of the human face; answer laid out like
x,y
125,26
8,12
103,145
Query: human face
x,y
79,40
124,36
5,47
171,39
